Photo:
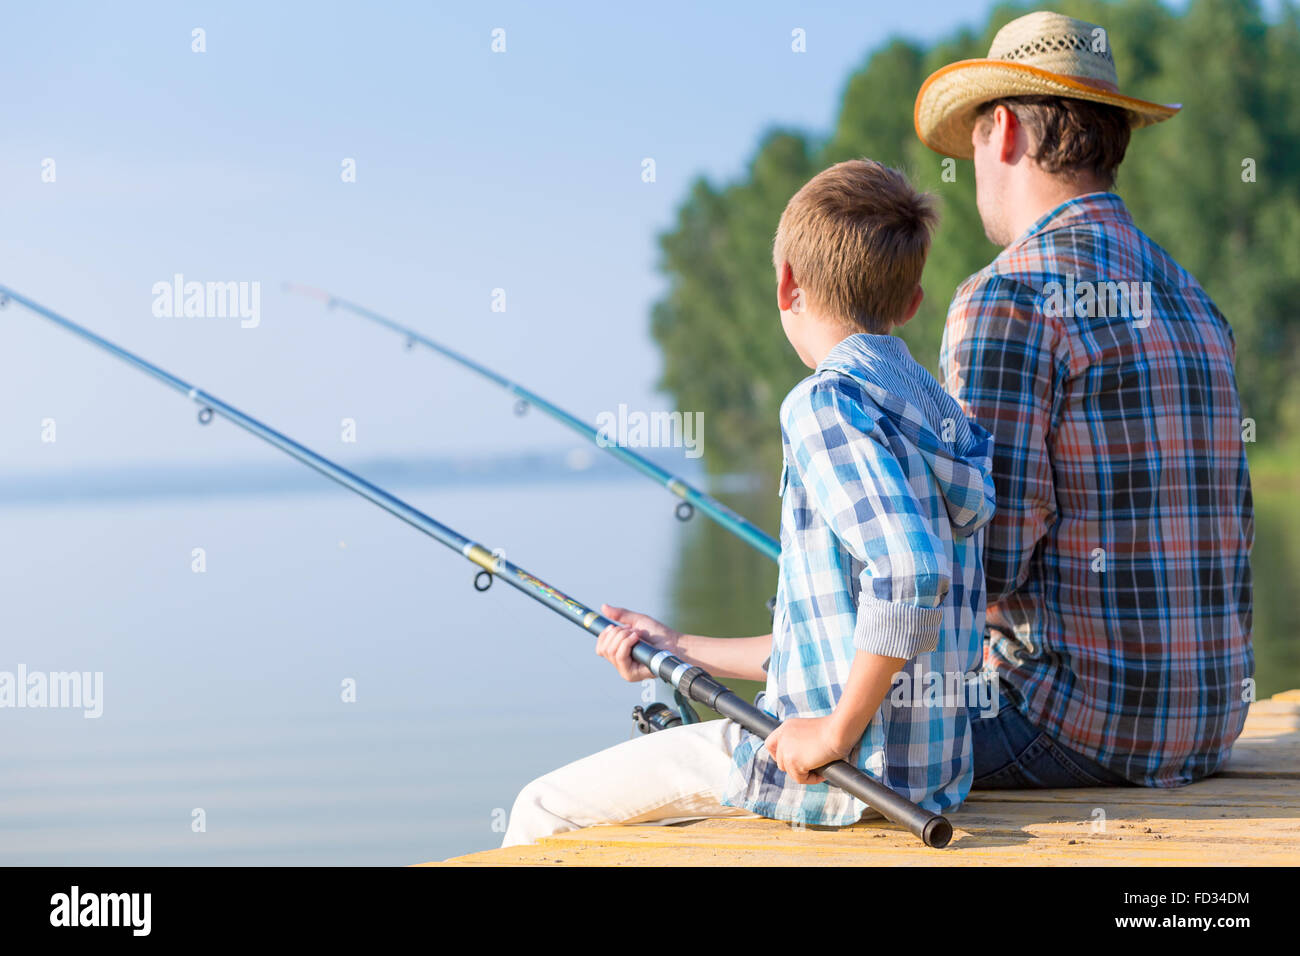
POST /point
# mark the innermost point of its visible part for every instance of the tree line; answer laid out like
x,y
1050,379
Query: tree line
x,y
1216,186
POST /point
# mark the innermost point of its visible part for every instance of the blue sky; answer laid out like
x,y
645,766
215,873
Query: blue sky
x,y
475,171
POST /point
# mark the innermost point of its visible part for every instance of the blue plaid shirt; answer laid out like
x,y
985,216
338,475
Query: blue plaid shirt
x,y
885,488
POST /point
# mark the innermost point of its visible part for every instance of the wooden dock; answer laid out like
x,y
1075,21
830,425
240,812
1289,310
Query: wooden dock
x,y
1248,814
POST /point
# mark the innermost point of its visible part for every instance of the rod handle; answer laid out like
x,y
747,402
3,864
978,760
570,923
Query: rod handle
x,y
932,829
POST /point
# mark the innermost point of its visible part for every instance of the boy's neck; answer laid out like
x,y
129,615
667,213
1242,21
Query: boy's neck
x,y
821,337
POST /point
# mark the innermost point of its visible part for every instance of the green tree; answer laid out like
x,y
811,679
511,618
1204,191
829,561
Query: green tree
x,y
1238,77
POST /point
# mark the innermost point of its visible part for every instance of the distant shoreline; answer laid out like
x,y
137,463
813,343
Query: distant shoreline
x,y
244,479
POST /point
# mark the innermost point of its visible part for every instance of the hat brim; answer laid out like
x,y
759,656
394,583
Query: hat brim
x,y
949,98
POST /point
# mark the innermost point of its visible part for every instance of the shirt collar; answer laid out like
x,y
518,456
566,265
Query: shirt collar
x,y
1091,207
862,349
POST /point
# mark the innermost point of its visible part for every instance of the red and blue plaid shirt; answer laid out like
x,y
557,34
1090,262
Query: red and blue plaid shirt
x,y
1118,560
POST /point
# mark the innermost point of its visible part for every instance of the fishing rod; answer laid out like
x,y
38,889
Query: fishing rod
x,y
692,497
691,681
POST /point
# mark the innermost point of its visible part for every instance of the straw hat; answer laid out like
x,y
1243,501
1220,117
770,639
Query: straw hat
x,y
1040,54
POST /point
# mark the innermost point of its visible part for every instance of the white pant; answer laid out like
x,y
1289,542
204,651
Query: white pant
x,y
664,777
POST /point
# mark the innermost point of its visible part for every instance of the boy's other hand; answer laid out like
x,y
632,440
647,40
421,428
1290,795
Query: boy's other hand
x,y
802,744
616,641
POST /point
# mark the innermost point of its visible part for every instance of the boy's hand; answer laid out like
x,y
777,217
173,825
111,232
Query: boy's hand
x,y
802,744
615,642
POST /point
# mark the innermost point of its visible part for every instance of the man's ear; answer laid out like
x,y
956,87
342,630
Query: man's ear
x,y
786,287
1006,128
913,305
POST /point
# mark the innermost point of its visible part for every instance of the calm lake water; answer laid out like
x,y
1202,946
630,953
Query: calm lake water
x,y
222,690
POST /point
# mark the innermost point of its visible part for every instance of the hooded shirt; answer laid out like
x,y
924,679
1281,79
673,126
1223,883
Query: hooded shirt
x,y
886,488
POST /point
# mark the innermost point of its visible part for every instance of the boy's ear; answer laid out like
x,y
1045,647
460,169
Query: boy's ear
x,y
912,306
786,287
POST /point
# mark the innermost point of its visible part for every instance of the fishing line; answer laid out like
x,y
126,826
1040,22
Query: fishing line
x,y
692,498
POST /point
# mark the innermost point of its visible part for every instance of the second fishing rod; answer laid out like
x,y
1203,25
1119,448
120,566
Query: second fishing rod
x,y
692,497
689,680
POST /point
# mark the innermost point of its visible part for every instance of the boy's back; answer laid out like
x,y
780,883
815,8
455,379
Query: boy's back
x,y
886,487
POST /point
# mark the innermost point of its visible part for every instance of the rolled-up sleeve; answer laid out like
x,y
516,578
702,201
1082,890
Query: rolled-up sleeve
x,y
858,485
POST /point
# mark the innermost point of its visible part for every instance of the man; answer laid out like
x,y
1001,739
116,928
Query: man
x,y
1118,560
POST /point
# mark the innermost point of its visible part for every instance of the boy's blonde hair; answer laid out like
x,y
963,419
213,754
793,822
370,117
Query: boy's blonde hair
x,y
856,237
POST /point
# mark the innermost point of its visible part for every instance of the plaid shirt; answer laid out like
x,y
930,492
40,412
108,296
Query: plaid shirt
x,y
881,552
1119,560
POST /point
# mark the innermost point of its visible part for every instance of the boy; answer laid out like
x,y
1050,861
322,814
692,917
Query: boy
x,y
885,489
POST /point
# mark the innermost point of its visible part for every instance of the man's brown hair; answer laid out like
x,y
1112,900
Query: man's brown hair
x,y
1072,138
856,237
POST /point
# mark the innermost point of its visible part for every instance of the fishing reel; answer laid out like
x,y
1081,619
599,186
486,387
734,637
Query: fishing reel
x,y
659,716
655,717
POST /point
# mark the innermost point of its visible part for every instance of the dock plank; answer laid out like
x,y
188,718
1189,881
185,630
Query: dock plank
x,y
976,821
1082,853
1216,791
1247,815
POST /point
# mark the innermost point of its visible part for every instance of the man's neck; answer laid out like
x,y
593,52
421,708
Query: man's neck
x,y
1041,194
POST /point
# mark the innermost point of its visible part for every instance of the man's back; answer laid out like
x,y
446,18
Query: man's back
x,y
1118,560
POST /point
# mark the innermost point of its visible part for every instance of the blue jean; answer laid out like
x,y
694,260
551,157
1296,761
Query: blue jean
x,y
1013,754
